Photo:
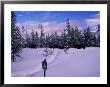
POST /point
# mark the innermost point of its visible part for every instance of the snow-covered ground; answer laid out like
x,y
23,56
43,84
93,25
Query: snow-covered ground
x,y
74,63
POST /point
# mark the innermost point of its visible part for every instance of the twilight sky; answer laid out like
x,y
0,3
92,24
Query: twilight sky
x,y
55,20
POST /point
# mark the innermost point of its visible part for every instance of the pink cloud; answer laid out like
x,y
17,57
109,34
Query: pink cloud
x,y
53,27
79,24
93,21
50,27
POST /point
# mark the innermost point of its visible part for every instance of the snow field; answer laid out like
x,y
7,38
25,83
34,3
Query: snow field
x,y
74,63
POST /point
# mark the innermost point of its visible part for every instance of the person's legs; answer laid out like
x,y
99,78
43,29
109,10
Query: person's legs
x,y
44,72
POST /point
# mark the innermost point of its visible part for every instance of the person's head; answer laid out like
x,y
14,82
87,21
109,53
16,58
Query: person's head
x,y
44,59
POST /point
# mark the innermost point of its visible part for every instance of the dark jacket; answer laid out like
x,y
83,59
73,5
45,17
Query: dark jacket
x,y
44,64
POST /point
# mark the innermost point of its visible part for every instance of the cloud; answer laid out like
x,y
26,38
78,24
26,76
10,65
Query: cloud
x,y
97,15
53,27
20,15
47,15
50,27
80,24
29,26
93,21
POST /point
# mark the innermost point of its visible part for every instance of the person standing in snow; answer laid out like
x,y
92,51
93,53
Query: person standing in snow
x,y
44,66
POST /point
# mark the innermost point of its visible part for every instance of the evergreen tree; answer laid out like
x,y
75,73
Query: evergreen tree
x,y
52,39
56,39
77,36
47,40
16,44
36,39
98,35
28,40
88,37
22,38
64,38
94,41
68,26
33,42
42,36
23,42
62,43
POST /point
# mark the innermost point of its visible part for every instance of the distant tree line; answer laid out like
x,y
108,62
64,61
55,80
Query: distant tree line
x,y
69,37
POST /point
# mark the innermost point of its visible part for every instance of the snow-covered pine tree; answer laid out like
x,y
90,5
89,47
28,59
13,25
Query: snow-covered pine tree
x,y
73,37
52,39
42,36
68,26
94,40
56,39
16,45
27,40
47,40
62,39
36,39
87,37
23,29
33,42
23,38
98,35
23,42
64,36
